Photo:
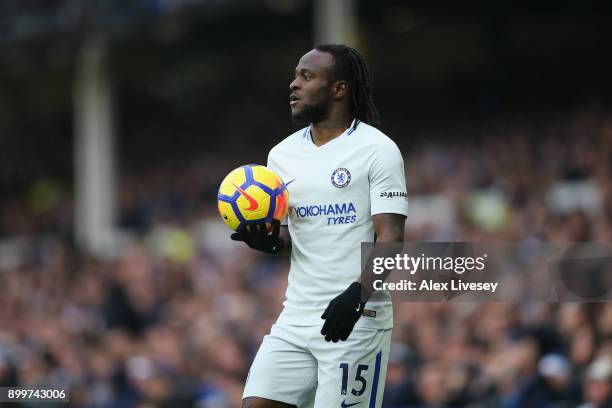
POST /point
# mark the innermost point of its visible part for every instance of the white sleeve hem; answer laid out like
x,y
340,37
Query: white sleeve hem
x,y
395,208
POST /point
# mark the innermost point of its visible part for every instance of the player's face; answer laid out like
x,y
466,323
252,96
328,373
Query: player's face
x,y
310,96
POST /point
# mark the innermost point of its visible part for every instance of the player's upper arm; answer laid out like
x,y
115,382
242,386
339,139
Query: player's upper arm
x,y
389,227
387,180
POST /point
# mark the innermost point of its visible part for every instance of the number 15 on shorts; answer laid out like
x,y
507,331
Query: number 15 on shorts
x,y
359,380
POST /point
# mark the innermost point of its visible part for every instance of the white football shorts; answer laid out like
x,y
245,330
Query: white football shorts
x,y
295,365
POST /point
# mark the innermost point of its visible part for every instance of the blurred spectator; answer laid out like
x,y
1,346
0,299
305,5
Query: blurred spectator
x,y
598,385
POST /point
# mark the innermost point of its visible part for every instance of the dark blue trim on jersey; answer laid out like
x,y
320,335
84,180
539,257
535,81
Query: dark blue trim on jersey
x,y
354,128
375,380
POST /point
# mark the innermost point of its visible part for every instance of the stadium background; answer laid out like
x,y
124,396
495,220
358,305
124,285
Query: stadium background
x,y
503,116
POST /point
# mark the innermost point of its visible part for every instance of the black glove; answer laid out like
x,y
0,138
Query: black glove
x,y
342,314
257,237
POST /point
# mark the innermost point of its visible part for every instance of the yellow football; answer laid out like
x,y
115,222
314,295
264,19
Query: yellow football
x,y
252,194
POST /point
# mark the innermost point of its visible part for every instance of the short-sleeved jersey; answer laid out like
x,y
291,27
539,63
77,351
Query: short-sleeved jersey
x,y
334,190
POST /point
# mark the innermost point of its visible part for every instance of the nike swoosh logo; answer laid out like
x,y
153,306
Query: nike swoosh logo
x,y
286,184
345,405
251,200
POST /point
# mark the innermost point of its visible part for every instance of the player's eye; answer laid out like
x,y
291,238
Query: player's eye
x,y
305,75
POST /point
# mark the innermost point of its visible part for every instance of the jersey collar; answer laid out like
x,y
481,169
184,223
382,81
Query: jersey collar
x,y
353,127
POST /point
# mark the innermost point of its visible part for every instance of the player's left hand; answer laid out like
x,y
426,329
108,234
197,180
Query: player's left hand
x,y
342,313
257,237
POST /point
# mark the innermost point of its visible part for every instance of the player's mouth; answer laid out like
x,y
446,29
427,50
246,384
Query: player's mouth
x,y
293,100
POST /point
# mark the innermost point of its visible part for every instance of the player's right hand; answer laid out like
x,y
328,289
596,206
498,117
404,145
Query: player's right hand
x,y
342,314
257,237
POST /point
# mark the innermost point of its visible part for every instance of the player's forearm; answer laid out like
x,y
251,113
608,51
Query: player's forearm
x,y
395,234
391,232
367,276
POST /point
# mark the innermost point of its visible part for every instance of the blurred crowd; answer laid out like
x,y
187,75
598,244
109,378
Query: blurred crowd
x,y
175,317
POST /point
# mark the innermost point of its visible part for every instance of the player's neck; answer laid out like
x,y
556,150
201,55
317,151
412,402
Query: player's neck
x,y
330,128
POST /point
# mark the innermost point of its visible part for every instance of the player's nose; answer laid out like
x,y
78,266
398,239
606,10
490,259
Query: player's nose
x,y
295,84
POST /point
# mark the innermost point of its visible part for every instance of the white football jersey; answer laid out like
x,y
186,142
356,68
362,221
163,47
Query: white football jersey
x,y
334,190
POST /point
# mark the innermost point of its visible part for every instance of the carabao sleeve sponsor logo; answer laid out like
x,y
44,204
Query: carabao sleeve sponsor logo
x,y
389,195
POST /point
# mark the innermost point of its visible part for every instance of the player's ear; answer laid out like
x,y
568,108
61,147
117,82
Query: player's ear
x,y
340,89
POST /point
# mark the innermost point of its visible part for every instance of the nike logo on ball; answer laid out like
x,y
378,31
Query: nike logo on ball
x,y
345,405
251,200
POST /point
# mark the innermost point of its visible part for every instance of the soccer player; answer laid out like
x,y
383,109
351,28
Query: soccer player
x,y
346,185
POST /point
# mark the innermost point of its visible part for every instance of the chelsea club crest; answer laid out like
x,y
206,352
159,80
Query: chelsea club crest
x,y
341,177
